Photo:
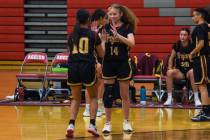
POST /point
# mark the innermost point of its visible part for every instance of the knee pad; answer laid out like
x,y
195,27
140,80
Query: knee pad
x,y
108,97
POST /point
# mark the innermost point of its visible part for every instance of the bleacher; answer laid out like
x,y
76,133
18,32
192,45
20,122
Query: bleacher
x,y
42,25
11,30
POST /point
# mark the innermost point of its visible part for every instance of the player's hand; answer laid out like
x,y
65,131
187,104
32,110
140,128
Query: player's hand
x,y
103,35
94,26
190,57
114,30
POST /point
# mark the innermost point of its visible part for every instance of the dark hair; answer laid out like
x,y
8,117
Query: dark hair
x,y
128,16
208,16
82,17
203,13
186,29
98,14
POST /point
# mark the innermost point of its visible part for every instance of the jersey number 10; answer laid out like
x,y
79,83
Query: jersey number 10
x,y
83,46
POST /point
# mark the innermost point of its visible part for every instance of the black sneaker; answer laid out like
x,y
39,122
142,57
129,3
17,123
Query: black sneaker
x,y
201,117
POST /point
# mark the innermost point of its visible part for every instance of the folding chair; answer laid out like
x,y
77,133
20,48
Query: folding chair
x,y
59,76
39,61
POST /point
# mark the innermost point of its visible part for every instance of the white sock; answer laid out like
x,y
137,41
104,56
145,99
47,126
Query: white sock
x,y
87,106
196,97
100,101
169,95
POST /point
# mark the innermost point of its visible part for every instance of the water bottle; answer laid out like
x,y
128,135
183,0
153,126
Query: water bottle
x,y
143,95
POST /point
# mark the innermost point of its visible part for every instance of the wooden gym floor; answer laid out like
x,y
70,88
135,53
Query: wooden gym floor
x,y
50,122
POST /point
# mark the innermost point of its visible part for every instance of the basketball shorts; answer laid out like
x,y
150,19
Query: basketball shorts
x,y
120,70
201,69
81,74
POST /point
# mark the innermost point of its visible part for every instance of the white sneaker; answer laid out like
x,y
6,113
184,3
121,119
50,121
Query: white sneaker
x,y
168,102
99,113
102,110
127,127
107,128
93,130
86,113
10,97
197,102
70,131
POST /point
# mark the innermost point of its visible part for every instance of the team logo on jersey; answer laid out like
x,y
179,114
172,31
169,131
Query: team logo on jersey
x,y
113,39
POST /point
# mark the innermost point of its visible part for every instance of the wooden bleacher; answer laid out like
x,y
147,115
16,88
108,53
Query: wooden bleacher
x,y
158,27
11,30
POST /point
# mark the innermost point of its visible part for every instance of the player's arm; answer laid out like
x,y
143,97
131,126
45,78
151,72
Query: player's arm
x,y
198,47
100,50
100,45
171,59
200,41
129,40
70,43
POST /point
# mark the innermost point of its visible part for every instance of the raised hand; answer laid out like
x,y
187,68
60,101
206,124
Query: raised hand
x,y
94,26
103,35
114,29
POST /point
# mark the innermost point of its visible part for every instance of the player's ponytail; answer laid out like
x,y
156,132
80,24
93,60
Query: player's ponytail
x,y
82,17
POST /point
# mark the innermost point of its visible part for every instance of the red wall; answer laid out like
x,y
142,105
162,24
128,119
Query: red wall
x,y
11,29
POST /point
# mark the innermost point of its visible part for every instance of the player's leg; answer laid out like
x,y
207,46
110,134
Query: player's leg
x,y
171,75
88,76
75,83
75,103
201,73
190,76
124,76
109,75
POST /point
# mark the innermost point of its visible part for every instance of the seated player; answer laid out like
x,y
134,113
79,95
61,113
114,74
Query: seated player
x,y
182,68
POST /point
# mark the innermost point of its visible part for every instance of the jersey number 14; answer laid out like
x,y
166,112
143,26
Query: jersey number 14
x,y
114,51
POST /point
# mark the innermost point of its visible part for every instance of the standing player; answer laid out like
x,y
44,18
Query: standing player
x,y
82,70
118,38
201,61
98,20
182,68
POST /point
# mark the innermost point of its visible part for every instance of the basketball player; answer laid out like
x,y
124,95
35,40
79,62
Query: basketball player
x,y
201,61
98,20
82,68
182,68
118,38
